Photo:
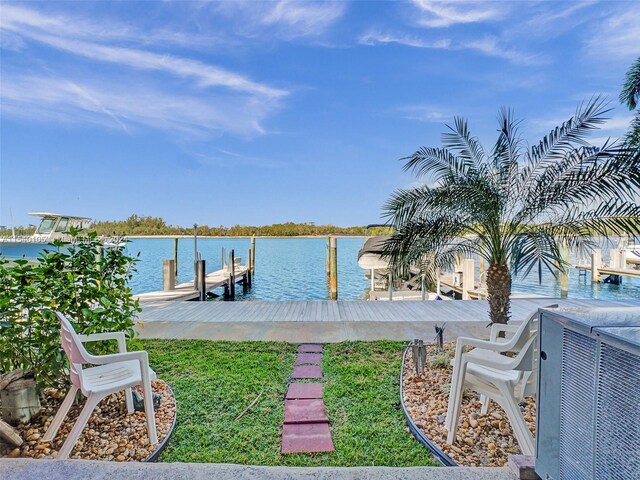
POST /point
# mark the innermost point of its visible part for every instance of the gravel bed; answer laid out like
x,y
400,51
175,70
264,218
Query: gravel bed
x,y
481,440
110,434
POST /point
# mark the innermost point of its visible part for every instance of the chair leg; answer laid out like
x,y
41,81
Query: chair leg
x,y
457,402
519,425
60,415
128,395
92,402
484,400
453,387
149,412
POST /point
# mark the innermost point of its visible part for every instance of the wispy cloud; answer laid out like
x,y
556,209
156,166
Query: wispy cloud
x,y
211,99
17,18
121,105
287,19
489,46
425,113
444,13
617,37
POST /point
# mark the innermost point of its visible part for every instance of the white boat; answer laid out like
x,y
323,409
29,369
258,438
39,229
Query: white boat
x,y
53,226
376,268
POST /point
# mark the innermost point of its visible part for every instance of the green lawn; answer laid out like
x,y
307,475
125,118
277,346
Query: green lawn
x,y
214,381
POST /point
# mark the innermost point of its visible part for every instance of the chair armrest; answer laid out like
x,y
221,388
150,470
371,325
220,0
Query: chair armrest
x,y
97,337
498,327
139,355
474,342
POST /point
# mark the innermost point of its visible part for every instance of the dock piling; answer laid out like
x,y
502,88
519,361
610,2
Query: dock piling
x,y
596,263
468,277
328,260
232,275
249,268
253,256
201,280
175,258
333,277
564,270
168,275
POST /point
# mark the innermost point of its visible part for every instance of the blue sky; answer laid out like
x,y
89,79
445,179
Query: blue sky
x,y
256,113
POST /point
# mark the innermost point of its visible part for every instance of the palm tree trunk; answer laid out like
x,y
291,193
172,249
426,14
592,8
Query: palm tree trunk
x,y
499,289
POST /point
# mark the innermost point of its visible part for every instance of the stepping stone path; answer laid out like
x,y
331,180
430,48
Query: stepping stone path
x,y
306,425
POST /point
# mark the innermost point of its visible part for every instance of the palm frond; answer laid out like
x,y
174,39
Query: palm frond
x,y
630,94
467,147
563,139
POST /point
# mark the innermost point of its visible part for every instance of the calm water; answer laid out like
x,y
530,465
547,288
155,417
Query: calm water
x,y
294,269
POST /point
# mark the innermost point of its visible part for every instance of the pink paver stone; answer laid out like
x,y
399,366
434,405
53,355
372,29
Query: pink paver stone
x,y
305,411
307,371
304,391
309,359
310,348
306,438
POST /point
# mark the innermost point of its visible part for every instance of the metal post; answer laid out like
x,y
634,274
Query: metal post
x,y
333,279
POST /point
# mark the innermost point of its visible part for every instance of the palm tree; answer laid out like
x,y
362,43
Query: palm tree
x,y
515,207
630,96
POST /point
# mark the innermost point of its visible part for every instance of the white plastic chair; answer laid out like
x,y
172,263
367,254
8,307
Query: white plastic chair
x,y
501,380
506,380
115,372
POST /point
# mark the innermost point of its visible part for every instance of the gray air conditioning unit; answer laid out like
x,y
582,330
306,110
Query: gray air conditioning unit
x,y
588,424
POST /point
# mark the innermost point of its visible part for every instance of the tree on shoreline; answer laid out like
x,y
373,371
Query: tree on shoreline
x,y
513,206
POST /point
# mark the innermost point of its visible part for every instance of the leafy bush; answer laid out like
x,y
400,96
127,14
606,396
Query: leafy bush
x,y
83,280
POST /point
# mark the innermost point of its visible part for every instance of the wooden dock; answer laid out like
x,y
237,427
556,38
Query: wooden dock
x,y
333,321
188,291
605,271
447,280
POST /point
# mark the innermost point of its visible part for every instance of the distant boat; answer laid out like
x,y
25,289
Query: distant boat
x,y
53,226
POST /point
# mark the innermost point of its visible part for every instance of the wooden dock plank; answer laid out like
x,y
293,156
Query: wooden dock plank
x,y
351,311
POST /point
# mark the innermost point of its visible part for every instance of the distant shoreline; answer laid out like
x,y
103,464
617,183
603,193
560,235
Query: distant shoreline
x,y
244,236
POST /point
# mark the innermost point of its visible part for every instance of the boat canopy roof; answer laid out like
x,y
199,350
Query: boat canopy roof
x,y
48,214
373,245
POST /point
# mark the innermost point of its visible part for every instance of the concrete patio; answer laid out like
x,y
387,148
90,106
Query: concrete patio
x,y
26,469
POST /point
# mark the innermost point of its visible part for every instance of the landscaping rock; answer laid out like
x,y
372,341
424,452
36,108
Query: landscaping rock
x,y
482,440
110,434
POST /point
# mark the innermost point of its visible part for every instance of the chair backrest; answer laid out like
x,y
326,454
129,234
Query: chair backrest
x,y
526,329
73,348
526,362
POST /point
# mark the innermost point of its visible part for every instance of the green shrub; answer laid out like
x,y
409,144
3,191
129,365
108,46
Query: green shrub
x,y
83,280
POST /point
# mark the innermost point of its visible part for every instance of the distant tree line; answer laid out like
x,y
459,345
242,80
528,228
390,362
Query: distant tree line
x,y
143,225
